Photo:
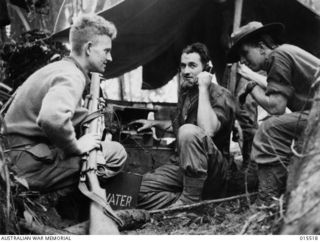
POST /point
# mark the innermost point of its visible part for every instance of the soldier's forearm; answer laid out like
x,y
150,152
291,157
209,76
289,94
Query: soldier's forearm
x,y
207,118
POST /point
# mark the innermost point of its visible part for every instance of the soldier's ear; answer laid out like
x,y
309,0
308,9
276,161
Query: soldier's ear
x,y
87,47
262,48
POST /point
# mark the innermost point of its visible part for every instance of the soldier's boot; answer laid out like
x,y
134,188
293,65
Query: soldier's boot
x,y
192,191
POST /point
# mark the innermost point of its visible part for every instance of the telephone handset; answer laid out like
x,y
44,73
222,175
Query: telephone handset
x,y
209,68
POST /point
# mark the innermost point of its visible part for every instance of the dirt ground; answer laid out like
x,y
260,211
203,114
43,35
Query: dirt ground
x,y
237,216
227,218
224,218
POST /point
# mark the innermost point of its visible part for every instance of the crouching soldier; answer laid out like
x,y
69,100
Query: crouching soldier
x,y
42,120
290,74
202,125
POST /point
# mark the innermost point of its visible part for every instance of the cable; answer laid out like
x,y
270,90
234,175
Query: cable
x,y
58,16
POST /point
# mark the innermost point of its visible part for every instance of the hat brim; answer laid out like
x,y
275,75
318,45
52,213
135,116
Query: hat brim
x,y
273,29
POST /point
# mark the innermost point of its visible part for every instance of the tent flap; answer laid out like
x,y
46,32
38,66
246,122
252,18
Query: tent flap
x,y
152,33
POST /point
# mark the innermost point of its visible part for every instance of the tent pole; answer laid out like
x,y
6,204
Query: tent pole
x,y
236,24
121,87
237,14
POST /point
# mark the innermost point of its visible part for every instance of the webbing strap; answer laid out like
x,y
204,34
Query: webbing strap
x,y
107,210
93,116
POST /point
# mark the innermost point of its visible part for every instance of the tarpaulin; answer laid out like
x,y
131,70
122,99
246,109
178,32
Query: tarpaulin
x,y
146,29
152,33
20,3
4,16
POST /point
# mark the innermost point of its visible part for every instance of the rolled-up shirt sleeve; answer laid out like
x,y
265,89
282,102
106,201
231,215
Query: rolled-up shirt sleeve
x,y
223,105
279,76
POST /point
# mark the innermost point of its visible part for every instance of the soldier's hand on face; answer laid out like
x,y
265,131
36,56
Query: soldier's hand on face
x,y
204,79
142,123
89,142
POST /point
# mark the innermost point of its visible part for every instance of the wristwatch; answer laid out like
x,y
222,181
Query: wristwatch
x,y
249,88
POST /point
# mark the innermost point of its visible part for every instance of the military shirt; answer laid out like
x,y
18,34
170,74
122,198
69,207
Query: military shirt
x,y
223,105
291,72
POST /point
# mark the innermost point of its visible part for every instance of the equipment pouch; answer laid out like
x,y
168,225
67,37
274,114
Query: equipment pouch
x,y
42,152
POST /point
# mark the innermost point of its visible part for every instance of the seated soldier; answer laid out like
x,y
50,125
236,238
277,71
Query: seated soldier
x,y
202,125
290,74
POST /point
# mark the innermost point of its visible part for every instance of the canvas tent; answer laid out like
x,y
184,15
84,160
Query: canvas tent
x,y
152,33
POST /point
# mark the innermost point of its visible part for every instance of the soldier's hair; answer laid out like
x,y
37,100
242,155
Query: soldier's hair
x,y
87,27
201,49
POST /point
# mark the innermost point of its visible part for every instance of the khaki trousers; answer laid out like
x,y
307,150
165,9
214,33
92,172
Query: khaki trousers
x,y
44,168
197,157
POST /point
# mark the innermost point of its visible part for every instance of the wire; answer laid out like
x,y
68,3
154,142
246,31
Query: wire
x,y
296,152
58,16
118,123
